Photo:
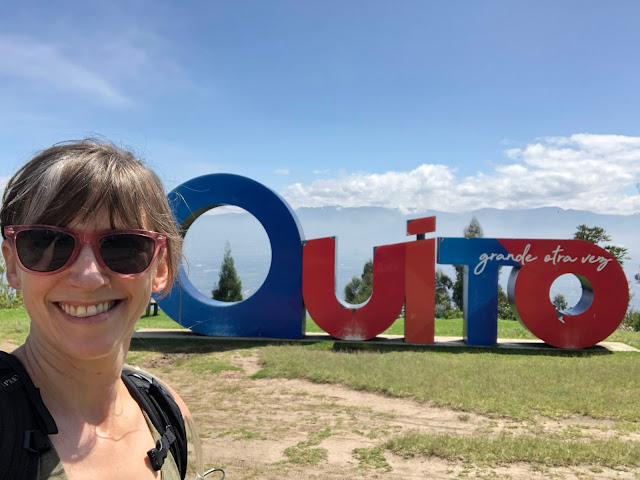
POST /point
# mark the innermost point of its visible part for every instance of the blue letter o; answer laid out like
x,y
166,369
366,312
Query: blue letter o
x,y
276,310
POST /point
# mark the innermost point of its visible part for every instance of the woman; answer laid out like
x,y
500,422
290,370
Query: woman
x,y
88,235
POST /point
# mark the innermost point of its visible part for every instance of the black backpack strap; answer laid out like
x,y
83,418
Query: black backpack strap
x,y
165,416
25,422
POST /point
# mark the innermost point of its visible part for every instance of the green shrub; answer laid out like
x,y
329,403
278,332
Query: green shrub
x,y
9,298
441,311
504,307
631,320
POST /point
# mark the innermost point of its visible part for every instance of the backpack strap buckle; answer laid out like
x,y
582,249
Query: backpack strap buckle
x,y
35,441
158,454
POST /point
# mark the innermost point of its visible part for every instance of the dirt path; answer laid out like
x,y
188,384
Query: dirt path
x,y
272,429
293,429
7,347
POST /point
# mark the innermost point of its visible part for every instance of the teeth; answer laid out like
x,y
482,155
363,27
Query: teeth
x,y
86,311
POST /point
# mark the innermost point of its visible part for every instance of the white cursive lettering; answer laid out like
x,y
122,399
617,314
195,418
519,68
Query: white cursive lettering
x,y
522,258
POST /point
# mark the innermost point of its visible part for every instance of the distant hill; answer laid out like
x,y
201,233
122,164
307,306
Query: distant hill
x,y
360,229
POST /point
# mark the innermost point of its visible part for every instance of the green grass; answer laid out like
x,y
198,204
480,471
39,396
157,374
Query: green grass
x,y
514,385
14,326
372,458
517,385
550,452
630,338
14,323
506,329
448,328
200,363
198,355
306,453
240,433
443,327
162,320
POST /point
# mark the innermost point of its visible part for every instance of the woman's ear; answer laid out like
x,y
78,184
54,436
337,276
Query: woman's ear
x,y
11,263
161,277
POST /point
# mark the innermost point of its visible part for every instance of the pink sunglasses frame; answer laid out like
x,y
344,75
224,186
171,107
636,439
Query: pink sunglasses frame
x,y
84,238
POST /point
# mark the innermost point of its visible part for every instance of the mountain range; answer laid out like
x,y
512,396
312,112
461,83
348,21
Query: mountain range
x,y
359,230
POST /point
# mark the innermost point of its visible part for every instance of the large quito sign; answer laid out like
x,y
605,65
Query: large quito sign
x,y
302,276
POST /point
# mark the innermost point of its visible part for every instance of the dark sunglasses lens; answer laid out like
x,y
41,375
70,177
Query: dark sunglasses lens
x,y
127,253
43,250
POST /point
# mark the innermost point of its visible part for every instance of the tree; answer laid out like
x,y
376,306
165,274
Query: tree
x,y
505,312
229,287
473,230
358,290
598,236
638,277
9,298
443,284
560,302
595,235
631,320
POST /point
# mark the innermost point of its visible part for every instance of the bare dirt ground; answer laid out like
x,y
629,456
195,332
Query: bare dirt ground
x,y
268,429
295,429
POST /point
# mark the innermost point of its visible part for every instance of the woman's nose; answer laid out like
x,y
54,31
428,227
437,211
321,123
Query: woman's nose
x,y
86,270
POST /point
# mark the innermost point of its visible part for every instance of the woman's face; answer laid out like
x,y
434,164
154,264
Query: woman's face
x,y
85,311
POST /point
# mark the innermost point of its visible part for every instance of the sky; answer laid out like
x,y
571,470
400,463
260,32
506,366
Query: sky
x,y
407,104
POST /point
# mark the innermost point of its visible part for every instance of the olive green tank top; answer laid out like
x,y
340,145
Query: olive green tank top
x,y
51,467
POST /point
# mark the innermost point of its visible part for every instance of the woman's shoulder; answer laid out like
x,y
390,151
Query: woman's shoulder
x,y
169,467
165,411
51,467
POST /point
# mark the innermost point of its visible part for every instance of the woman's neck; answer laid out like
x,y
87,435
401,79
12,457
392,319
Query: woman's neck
x,y
88,388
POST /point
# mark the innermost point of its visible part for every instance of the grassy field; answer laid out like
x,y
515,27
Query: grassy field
x,y
519,386
15,327
598,387
516,384
444,328
479,450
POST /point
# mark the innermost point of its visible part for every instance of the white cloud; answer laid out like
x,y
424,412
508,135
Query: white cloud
x,y
282,171
583,171
46,65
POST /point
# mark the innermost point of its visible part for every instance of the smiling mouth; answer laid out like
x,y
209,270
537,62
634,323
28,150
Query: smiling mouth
x,y
87,310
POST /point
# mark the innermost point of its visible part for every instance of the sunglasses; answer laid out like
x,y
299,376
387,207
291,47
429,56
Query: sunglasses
x,y
44,249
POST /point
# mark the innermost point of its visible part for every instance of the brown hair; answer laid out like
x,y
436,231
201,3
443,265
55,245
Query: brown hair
x,y
74,180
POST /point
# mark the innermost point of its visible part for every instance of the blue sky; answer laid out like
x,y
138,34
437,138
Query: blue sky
x,y
407,104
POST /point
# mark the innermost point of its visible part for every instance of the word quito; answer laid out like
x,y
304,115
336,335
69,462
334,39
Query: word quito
x,y
302,276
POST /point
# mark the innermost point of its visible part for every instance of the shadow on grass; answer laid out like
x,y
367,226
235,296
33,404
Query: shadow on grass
x,y
539,350
189,345
204,344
